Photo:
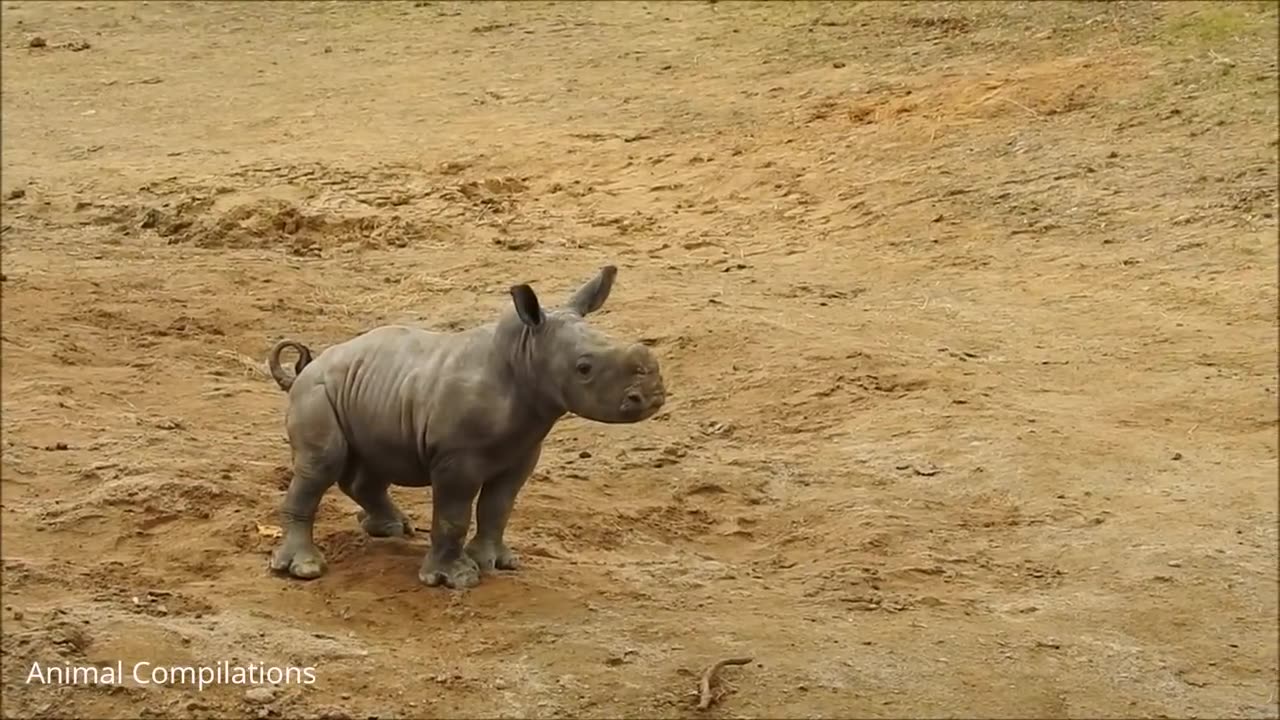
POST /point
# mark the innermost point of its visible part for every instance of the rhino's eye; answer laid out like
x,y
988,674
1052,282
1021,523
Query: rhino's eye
x,y
584,368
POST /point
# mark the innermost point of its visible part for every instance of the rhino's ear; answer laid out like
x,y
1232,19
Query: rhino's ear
x,y
590,297
527,306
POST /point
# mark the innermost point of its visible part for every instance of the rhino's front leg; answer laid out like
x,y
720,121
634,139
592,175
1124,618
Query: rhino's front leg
x,y
489,548
446,563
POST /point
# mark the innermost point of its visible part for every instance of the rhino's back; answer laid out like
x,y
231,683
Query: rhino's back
x,y
387,385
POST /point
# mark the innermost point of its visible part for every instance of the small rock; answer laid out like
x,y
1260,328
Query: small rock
x,y
1177,456
37,42
584,454
1175,563
17,194
837,64
17,614
260,695
620,659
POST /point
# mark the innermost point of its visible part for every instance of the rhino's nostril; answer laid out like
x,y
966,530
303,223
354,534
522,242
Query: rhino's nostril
x,y
634,398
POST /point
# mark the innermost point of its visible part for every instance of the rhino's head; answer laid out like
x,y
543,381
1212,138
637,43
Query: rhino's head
x,y
585,371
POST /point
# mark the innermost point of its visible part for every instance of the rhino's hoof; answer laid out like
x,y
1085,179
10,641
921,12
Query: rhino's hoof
x,y
304,564
385,527
459,574
493,557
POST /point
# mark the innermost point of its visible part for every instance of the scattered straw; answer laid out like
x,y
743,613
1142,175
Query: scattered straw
x,y
251,367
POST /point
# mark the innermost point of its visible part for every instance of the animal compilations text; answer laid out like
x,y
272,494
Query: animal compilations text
x,y
145,673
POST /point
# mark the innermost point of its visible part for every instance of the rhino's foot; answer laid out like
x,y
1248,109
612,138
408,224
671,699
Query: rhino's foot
x,y
458,574
386,525
493,555
304,562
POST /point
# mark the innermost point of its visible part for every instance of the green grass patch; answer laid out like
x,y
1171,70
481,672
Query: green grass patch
x,y
1220,23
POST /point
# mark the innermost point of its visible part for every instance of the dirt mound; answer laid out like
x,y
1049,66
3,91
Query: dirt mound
x,y
941,105
151,494
273,222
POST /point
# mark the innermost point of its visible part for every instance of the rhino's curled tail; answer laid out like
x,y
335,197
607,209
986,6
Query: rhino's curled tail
x,y
277,371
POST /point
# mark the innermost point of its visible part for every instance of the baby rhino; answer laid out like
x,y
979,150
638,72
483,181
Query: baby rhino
x,y
464,413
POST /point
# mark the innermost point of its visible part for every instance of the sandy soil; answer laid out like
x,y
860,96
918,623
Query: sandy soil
x,y
968,312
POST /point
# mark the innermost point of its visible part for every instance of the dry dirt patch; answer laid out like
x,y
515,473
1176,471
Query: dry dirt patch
x,y
968,311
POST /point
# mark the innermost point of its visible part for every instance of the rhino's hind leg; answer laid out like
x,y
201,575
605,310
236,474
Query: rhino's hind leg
x,y
319,459
297,553
379,515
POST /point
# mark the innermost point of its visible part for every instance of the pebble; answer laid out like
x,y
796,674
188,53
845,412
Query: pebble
x,y
1175,563
260,695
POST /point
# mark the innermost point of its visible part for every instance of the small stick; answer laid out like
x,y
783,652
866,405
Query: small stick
x,y
709,677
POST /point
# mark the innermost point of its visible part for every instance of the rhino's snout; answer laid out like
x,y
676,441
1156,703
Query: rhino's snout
x,y
641,406
648,394
636,400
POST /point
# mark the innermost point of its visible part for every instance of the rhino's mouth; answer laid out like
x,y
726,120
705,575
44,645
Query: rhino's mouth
x,y
636,406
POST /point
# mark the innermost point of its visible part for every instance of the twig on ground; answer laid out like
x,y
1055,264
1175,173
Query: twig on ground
x,y
709,677
1011,101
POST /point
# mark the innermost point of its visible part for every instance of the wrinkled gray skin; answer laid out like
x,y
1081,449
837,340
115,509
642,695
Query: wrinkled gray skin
x,y
464,413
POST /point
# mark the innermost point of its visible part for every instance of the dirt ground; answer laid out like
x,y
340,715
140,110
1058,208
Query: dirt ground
x,y
968,313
